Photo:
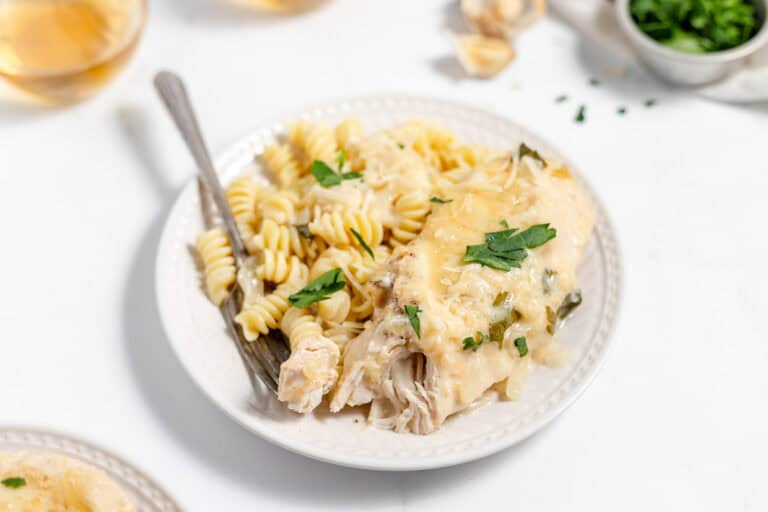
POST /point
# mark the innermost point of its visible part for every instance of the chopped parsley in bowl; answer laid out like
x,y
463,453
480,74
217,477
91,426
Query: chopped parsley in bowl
x,y
697,26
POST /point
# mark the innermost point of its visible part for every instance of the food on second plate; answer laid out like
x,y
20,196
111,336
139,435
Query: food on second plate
x,y
483,56
408,270
495,23
41,481
697,26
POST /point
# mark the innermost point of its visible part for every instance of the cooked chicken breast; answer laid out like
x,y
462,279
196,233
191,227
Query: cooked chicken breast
x,y
413,382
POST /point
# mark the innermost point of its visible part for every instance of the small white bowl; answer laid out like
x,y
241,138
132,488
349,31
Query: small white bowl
x,y
690,68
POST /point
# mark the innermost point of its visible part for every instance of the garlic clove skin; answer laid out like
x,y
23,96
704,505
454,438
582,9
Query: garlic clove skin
x,y
502,18
483,57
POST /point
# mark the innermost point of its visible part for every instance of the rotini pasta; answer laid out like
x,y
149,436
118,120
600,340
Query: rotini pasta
x,y
277,266
412,210
342,333
298,326
218,263
316,141
242,195
283,164
348,133
279,205
281,238
266,312
335,228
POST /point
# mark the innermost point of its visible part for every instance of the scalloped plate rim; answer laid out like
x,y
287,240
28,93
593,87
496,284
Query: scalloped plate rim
x,y
92,447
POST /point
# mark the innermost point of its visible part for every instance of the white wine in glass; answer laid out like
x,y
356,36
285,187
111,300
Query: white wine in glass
x,y
64,50
281,6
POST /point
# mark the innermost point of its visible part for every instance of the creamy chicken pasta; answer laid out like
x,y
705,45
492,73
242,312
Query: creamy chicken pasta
x,y
407,270
48,482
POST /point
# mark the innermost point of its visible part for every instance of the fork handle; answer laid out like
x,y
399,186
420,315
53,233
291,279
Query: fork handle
x,y
174,95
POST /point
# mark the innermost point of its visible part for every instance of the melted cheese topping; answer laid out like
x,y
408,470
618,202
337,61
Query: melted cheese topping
x,y
457,299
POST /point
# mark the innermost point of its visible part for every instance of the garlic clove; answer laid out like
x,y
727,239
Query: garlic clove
x,y
502,18
482,56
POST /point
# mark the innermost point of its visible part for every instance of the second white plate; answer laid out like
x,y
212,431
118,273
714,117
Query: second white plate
x,y
145,495
198,334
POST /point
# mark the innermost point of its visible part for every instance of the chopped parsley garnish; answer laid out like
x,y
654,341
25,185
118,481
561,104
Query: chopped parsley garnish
x,y
649,102
14,482
340,159
697,26
561,98
581,114
524,150
473,344
438,200
556,318
522,346
319,289
548,280
500,299
401,146
594,82
304,232
621,111
505,250
327,177
413,317
497,329
504,224
362,243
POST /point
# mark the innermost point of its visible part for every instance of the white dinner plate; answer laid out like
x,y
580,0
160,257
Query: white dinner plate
x,y
145,495
198,334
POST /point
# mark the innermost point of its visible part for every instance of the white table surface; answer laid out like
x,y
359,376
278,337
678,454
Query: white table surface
x,y
677,419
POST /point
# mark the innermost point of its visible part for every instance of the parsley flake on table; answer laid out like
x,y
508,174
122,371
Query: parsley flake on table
x,y
413,317
581,114
505,250
561,98
318,289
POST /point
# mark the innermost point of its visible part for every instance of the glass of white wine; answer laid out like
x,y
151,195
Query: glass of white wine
x,y
63,51
281,6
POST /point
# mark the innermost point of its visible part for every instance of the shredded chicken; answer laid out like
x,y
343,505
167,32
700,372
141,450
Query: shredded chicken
x,y
308,374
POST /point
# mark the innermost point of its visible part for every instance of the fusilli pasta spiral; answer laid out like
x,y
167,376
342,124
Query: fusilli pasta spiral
x,y
274,237
280,206
348,132
242,195
266,312
412,210
342,333
317,142
277,266
299,325
281,161
334,228
219,263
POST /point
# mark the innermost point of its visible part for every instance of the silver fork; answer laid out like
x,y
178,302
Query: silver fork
x,y
262,358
